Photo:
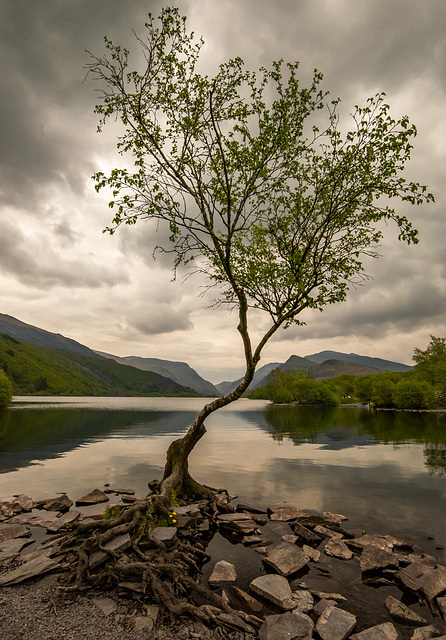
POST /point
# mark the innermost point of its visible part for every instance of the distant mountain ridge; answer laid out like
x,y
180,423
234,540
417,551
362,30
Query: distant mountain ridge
x,y
28,333
367,361
180,372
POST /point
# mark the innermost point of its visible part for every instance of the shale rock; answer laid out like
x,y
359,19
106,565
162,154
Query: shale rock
x,y
286,559
224,573
338,549
287,626
400,611
335,624
374,558
273,588
384,631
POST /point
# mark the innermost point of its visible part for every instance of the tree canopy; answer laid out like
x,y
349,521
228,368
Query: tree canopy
x,y
260,183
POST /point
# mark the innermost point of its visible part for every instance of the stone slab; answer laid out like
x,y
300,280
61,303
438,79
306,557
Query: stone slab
x,y
385,631
273,588
224,573
402,612
35,567
284,514
286,559
338,549
288,625
374,558
9,531
335,624
12,548
430,579
94,497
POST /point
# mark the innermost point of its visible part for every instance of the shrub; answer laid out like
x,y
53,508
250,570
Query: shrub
x,y
5,389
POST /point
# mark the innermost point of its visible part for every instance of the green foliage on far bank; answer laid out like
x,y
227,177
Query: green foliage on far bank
x,y
296,386
38,370
5,389
422,388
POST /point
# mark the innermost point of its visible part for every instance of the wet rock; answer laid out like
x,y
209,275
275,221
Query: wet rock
x,y
10,531
94,497
249,508
313,554
338,549
303,601
34,567
43,520
401,612
374,558
323,604
284,514
22,502
425,633
273,588
327,533
120,492
224,573
106,605
334,518
335,624
11,548
288,537
329,596
427,578
234,621
59,523
233,517
60,503
286,559
306,534
382,542
241,523
287,626
384,631
256,541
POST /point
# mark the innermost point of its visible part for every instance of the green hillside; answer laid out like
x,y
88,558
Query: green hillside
x,y
38,370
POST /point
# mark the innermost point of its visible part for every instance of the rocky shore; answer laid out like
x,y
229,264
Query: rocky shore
x,y
313,577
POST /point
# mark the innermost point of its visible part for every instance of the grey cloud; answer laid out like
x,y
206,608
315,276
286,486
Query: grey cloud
x,y
160,318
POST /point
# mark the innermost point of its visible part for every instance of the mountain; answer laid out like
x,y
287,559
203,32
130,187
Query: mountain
x,y
28,333
178,371
377,363
35,369
226,387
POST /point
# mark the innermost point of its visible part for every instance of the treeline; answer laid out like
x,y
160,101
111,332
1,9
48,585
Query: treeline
x,y
424,387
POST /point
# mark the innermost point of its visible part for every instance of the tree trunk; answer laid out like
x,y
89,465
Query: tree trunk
x,y
177,479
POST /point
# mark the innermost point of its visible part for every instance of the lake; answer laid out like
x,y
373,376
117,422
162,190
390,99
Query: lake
x,y
385,470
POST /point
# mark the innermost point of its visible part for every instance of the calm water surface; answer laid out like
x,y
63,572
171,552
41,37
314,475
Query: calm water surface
x,y
386,471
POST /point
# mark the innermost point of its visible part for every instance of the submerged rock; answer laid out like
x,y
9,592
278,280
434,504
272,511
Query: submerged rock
x,y
94,497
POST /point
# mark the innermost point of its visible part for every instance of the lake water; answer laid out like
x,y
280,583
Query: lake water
x,y
386,470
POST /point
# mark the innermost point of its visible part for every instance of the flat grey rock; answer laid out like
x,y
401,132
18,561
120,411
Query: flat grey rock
x,y
284,514
234,517
94,497
338,549
164,534
382,542
323,604
224,573
12,548
305,533
287,626
106,605
385,631
313,554
273,588
335,624
401,612
60,503
43,519
116,544
63,521
10,531
374,558
35,567
326,532
286,559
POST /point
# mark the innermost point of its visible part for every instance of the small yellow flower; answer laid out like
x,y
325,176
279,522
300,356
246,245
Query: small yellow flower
x,y
173,520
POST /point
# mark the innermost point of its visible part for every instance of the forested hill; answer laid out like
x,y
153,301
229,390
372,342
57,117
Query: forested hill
x,y
40,370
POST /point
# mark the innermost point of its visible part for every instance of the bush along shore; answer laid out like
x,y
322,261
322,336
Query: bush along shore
x,y
121,574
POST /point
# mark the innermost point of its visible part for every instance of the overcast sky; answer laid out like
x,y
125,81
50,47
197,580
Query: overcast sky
x,y
59,272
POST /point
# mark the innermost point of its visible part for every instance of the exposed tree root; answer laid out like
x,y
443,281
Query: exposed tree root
x,y
164,572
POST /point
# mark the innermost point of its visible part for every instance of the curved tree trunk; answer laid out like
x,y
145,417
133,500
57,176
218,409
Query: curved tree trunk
x,y
177,479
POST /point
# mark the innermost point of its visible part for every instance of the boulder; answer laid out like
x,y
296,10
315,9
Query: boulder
x,y
401,612
94,497
374,558
335,624
385,631
224,573
273,588
287,626
338,549
286,559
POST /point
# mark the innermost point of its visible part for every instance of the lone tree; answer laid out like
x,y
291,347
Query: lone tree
x,y
276,209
